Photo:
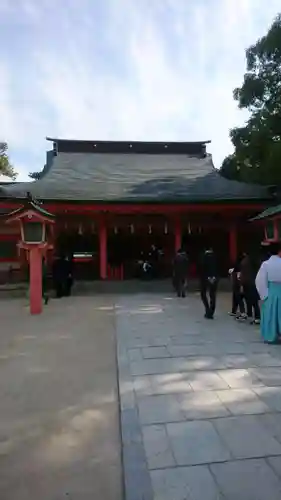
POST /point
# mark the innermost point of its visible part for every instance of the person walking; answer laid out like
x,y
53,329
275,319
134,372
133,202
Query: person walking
x,y
268,283
247,277
208,282
238,307
180,270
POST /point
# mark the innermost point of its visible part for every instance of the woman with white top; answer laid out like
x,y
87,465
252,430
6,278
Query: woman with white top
x,y
268,283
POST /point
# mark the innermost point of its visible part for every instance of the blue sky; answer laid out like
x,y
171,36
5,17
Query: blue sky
x,y
123,69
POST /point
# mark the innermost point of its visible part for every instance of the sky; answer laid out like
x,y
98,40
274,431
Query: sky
x,y
123,70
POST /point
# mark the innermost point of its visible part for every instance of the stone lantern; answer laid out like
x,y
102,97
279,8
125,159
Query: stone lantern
x,y
34,222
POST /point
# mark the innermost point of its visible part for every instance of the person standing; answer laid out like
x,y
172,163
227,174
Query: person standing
x,y
247,277
268,283
59,276
68,276
208,282
180,270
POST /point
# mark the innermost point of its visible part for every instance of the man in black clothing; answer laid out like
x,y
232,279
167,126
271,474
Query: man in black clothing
x,y
237,295
68,275
59,275
208,282
249,268
180,269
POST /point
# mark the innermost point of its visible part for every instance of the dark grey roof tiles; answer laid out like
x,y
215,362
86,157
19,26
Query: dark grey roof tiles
x,y
134,177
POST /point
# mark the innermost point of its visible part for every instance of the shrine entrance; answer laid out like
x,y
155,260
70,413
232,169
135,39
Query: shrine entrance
x,y
116,246
132,241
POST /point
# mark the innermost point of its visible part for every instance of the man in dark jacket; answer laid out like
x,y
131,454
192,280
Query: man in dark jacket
x,y
180,269
248,272
68,275
208,281
59,275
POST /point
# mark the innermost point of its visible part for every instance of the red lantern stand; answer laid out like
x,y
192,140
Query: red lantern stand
x,y
33,221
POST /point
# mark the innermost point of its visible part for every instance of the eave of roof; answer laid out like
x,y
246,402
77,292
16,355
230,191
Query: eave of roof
x,y
268,213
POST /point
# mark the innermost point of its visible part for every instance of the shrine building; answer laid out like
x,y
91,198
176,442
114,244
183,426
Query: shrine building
x,y
115,200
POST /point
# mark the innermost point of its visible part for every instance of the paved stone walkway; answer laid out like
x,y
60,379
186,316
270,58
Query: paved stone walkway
x,y
200,401
59,414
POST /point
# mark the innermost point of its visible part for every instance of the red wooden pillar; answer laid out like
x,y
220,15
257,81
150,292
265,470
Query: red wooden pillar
x,y
233,245
178,234
103,250
35,280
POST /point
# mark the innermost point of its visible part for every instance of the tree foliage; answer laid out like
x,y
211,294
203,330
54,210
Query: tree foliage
x,y
35,175
257,145
5,166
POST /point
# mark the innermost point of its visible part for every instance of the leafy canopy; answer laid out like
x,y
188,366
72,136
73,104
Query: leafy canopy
x,y
5,166
257,154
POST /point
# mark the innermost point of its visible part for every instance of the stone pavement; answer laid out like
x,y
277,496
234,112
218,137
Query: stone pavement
x,y
59,415
200,403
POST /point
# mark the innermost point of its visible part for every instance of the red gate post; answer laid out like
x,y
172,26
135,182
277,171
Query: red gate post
x,y
35,279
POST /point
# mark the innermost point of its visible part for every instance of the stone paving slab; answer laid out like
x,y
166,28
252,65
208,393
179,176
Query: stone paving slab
x,y
246,437
196,443
271,397
204,399
158,448
185,483
240,378
172,383
207,380
272,422
160,409
202,405
269,376
247,480
275,463
242,402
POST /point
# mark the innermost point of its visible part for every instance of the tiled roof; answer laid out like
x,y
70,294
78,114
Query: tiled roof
x,y
133,177
269,212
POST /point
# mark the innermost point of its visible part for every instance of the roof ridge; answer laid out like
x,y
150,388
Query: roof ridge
x,y
101,141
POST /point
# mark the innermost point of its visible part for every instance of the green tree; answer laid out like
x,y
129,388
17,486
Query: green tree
x,y
35,175
5,166
257,145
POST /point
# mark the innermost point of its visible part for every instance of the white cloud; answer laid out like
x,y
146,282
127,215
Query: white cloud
x,y
125,70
